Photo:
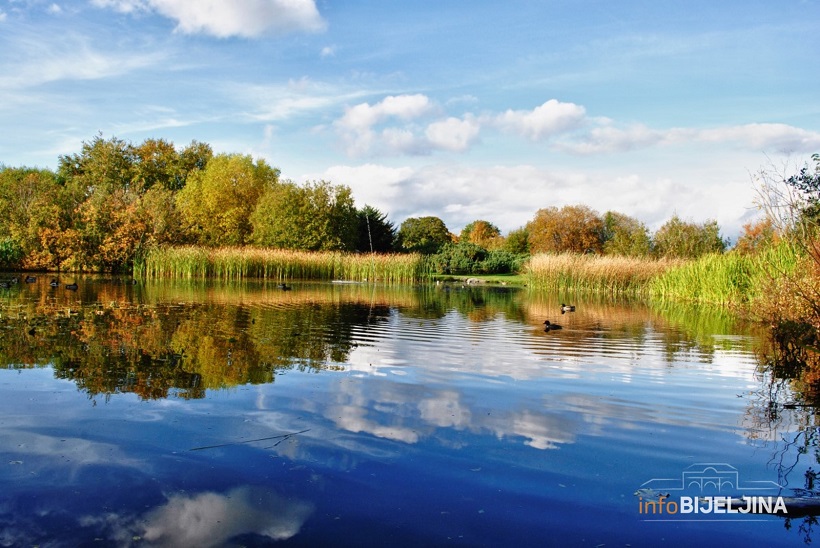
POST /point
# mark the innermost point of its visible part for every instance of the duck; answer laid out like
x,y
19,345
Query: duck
x,y
71,287
54,283
551,326
5,284
567,308
284,287
14,280
30,279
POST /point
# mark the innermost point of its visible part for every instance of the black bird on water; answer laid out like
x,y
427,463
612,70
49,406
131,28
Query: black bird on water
x,y
551,326
30,279
71,287
284,287
54,283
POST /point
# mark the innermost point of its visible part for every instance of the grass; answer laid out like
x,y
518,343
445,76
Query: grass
x,y
728,278
235,263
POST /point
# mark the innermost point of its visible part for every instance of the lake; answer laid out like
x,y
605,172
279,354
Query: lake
x,y
238,414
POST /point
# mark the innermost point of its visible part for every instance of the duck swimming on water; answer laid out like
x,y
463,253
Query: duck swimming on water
x,y
551,326
567,308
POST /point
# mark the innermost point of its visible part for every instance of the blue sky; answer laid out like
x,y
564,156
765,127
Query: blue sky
x,y
464,110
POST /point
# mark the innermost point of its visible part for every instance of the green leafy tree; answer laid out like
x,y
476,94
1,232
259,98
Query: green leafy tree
x,y
625,235
681,239
576,229
517,242
375,232
423,235
316,216
102,193
217,202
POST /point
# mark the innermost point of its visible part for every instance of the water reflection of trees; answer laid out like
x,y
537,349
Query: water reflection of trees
x,y
783,415
181,339
117,340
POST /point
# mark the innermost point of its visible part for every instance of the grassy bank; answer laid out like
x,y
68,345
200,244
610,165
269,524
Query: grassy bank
x,y
234,263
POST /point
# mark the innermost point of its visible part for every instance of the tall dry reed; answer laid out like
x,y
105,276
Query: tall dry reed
x,y
594,273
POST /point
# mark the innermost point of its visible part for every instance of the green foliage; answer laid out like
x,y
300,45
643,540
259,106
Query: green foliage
x,y
807,181
624,235
517,242
10,253
468,258
680,239
217,202
316,216
425,235
460,258
375,232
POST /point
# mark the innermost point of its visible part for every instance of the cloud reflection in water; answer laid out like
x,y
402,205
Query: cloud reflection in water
x,y
211,519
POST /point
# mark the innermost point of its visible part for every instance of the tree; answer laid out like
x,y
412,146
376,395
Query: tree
x,y
375,232
423,235
217,202
575,229
680,239
316,216
29,202
517,241
756,235
625,235
482,233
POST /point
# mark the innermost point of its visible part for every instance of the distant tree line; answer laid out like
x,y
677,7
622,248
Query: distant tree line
x,y
114,200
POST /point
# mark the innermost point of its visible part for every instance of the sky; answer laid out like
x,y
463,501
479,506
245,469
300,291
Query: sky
x,y
464,110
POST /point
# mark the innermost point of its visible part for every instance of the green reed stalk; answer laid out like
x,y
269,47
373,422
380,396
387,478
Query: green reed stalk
x,y
236,263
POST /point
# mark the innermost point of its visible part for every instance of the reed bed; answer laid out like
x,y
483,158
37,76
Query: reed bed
x,y
594,273
236,263
729,278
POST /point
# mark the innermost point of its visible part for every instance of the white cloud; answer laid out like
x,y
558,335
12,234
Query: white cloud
x,y
356,126
54,9
328,51
509,196
551,118
453,134
248,18
765,137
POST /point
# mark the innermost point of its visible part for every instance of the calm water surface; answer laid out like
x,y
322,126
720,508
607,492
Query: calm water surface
x,y
175,414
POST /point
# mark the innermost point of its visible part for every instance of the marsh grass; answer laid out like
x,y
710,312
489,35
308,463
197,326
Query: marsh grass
x,y
594,273
236,263
729,278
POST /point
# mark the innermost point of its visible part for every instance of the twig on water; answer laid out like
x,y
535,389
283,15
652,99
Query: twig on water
x,y
283,436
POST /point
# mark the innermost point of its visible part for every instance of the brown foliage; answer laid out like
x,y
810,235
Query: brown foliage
x,y
574,229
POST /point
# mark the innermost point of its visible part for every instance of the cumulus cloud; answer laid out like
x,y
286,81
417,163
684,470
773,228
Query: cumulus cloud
x,y
357,124
248,19
453,134
551,118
